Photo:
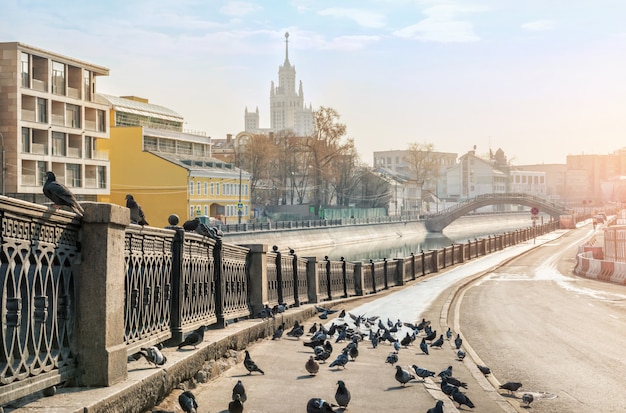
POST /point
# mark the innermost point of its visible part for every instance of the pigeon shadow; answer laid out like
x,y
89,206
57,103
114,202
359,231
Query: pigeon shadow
x,y
307,376
397,388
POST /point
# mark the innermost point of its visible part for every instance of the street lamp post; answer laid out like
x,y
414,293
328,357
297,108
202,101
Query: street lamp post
x,y
239,167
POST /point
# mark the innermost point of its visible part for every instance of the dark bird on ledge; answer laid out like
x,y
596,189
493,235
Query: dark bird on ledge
x,y
136,213
250,365
194,338
60,195
192,224
187,401
484,369
153,355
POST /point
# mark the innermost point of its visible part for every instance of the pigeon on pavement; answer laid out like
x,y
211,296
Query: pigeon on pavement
x,y
60,195
458,341
341,360
484,369
456,382
403,376
424,346
240,390
437,409
342,395
153,355
446,372
312,366
460,354
527,399
136,213
235,405
438,342
187,401
422,373
194,338
317,405
392,358
250,365
447,388
448,333
462,399
278,333
297,331
511,386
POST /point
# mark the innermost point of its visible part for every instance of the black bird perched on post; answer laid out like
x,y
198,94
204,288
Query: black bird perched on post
x,y
60,195
511,386
187,401
438,407
136,213
240,390
250,365
317,405
194,338
342,395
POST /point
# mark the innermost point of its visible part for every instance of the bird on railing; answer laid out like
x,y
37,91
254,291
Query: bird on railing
x,y
136,212
60,195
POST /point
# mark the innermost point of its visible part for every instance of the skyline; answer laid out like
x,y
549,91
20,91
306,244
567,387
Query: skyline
x,y
540,81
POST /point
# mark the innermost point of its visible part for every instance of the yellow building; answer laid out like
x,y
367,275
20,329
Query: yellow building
x,y
169,171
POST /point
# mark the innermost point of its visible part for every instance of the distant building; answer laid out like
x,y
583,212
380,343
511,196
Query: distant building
x,y
50,119
287,109
167,170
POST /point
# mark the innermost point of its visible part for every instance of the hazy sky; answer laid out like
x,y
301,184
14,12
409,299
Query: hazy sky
x,y
540,79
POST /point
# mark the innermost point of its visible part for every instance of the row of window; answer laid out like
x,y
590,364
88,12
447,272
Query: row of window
x,y
215,188
37,109
72,175
36,141
229,210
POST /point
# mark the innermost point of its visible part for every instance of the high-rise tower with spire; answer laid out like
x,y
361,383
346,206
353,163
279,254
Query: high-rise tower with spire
x,y
287,110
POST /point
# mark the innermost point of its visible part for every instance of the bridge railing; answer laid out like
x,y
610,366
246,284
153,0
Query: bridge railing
x,y
153,285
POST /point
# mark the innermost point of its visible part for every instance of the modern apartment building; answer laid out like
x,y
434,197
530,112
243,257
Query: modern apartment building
x,y
50,119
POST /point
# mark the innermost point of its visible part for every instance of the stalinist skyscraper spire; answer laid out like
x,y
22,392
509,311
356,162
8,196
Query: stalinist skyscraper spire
x,y
287,110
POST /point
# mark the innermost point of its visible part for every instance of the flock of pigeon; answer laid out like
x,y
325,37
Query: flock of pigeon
x,y
340,332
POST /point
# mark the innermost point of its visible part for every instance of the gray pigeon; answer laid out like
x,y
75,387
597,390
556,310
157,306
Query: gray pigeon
x,y
403,376
187,401
392,358
317,405
235,405
511,386
462,399
342,396
484,369
437,409
60,195
194,338
438,342
250,365
136,213
341,360
458,341
153,355
460,354
527,399
422,373
446,372
424,346
240,390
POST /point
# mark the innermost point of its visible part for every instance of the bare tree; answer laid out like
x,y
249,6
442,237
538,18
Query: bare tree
x,y
423,165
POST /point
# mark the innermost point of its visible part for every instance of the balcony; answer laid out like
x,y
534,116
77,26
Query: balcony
x,y
73,92
73,152
29,180
58,120
39,149
28,115
39,85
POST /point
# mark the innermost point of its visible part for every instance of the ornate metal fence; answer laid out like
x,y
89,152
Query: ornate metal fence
x,y
37,280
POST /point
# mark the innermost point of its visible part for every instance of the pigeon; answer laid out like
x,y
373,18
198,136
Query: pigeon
x,y
341,360
438,342
136,213
406,340
423,324
240,390
187,401
447,388
448,333
194,338
342,395
191,225
392,358
462,399
460,354
511,386
206,231
484,369
403,376
458,341
317,405
431,336
437,409
312,366
313,329
60,195
527,399
250,365
153,355
342,314
445,372
424,346
266,312
456,382
278,333
236,405
396,345
422,373
324,310
297,331
353,350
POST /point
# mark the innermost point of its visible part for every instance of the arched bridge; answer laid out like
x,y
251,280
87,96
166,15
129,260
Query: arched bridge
x,y
437,222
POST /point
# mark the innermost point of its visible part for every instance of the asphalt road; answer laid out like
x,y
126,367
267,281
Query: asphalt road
x,y
561,336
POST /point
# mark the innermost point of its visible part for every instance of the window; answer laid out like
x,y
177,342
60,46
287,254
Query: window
x,y
26,140
87,84
58,144
206,190
199,188
149,144
72,116
58,78
217,189
42,110
25,66
101,121
89,147
102,177
191,186
42,168
72,175
206,210
212,190
191,210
